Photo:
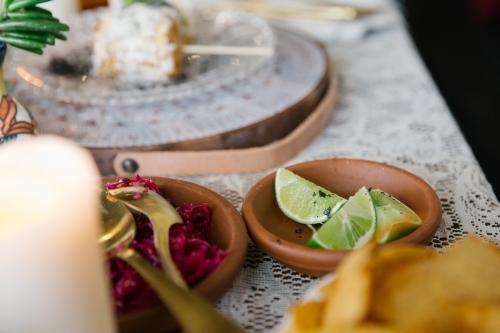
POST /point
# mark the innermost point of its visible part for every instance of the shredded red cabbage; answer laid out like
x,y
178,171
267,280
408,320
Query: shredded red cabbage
x,y
194,256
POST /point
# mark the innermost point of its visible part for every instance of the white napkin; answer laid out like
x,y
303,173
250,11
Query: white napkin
x,y
344,31
335,31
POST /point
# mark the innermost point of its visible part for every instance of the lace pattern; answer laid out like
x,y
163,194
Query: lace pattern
x,y
390,111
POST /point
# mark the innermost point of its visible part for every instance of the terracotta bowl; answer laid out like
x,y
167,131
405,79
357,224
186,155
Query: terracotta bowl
x,y
285,240
228,232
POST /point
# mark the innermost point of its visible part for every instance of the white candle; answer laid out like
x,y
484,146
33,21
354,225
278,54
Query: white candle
x,y
52,272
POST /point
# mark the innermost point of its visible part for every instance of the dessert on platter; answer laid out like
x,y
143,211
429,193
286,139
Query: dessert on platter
x,y
139,42
137,52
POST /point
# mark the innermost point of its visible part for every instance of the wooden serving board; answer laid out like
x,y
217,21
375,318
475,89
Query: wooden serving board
x,y
255,122
256,145
272,132
220,161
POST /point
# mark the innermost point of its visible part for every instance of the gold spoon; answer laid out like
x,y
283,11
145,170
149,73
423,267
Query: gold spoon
x,y
193,313
311,11
162,216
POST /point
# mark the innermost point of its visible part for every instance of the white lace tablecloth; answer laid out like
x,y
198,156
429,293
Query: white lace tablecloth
x,y
390,111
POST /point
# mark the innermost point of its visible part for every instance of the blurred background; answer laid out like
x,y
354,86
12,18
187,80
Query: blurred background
x,y
93,3
459,41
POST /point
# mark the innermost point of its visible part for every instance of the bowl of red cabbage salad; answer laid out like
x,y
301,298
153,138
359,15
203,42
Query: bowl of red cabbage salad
x,y
193,255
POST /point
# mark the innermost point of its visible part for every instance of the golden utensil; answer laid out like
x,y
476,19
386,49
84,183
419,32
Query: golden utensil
x,y
192,313
118,225
162,216
309,11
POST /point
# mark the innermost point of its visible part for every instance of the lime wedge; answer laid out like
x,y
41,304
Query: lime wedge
x,y
394,218
303,201
351,227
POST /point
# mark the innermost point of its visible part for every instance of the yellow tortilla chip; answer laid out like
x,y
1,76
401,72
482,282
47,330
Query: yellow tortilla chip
x,y
425,294
348,303
410,289
308,316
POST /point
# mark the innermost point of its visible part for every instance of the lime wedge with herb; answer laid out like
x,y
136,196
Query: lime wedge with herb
x,y
394,218
349,228
303,201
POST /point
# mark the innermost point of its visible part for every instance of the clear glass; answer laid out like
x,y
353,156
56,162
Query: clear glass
x,y
73,80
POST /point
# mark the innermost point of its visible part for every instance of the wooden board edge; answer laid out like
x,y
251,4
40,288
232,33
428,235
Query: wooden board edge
x,y
224,161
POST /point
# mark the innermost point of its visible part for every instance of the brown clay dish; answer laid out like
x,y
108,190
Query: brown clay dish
x,y
228,233
285,240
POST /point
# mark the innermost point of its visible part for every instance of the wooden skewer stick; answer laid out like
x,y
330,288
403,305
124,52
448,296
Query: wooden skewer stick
x,y
228,50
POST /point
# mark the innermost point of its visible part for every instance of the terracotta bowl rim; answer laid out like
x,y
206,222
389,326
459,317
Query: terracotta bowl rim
x,y
229,268
320,260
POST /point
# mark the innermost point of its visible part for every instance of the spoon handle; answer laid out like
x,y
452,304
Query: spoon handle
x,y
193,313
162,216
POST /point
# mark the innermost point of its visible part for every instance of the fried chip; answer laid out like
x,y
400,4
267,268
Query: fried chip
x,y
308,316
410,289
423,294
348,303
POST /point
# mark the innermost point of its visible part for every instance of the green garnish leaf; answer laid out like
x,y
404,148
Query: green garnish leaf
x,y
47,38
18,4
6,4
36,9
25,25
32,25
27,15
23,43
58,35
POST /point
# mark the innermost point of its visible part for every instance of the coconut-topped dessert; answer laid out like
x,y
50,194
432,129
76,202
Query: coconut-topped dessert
x,y
139,41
